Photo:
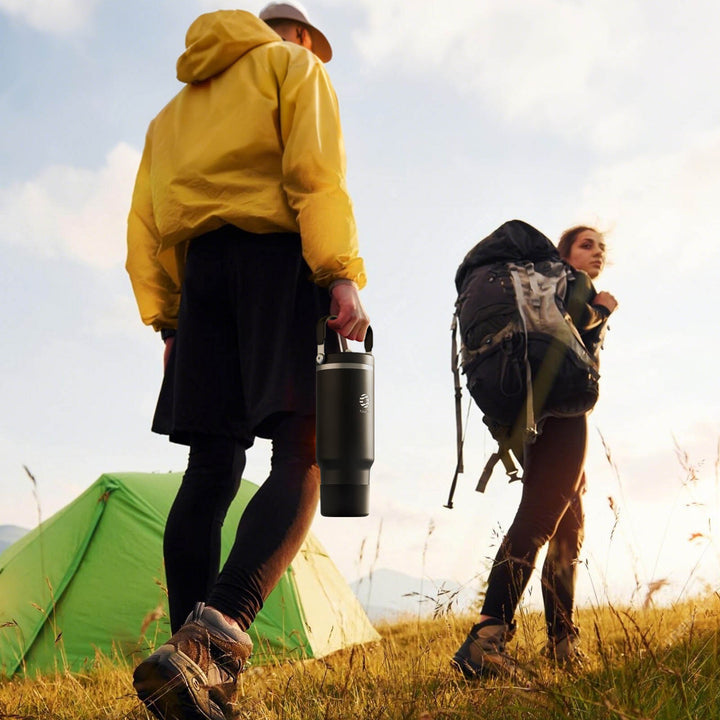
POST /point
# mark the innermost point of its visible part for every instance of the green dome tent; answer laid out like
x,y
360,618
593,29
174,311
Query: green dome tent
x,y
90,578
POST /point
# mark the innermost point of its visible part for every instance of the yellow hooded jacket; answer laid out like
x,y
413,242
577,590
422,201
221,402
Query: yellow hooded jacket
x,y
253,140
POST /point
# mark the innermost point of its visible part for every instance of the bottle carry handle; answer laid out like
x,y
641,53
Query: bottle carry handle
x,y
321,332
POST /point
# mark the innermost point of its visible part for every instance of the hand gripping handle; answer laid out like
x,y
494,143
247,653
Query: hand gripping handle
x,y
321,332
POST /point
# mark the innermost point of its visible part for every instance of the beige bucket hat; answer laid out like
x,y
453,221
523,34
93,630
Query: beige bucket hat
x,y
295,11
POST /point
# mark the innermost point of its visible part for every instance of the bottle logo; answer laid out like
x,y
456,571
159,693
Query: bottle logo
x,y
364,401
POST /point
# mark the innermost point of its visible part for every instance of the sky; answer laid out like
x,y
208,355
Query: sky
x,y
457,116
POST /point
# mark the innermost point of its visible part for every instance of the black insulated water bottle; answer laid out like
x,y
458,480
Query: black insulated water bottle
x,y
345,393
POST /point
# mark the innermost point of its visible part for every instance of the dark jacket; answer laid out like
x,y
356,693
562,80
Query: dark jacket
x,y
590,320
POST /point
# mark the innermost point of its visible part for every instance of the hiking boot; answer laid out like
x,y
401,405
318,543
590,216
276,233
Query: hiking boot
x,y
194,675
565,651
483,652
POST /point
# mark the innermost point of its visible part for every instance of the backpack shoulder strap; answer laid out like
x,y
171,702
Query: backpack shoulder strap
x,y
517,280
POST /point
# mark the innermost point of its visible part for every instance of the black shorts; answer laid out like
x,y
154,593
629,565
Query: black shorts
x,y
245,346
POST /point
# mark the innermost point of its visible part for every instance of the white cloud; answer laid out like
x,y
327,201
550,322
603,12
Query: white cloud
x,y
211,5
587,70
74,212
658,369
59,17
543,63
662,206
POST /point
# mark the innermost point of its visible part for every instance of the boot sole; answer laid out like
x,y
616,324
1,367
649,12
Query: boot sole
x,y
489,668
173,687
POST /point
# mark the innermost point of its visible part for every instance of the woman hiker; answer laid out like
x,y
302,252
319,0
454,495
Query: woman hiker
x,y
550,509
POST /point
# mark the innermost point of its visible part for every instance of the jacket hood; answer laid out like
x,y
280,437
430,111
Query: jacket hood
x,y
217,39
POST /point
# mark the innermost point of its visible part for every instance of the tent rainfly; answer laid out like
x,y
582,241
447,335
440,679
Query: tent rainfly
x,y
90,580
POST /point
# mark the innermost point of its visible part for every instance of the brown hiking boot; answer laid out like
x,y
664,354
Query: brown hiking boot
x,y
194,675
565,651
483,652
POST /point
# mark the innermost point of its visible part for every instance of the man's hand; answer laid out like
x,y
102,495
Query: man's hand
x,y
352,321
606,300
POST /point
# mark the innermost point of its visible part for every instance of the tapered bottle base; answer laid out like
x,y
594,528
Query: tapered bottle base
x,y
344,500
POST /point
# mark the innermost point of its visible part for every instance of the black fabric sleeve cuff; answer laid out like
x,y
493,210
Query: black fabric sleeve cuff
x,y
605,312
166,333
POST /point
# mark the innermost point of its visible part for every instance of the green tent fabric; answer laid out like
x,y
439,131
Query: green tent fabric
x,y
90,579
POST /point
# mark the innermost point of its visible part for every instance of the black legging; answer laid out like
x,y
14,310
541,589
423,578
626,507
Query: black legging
x,y
550,510
560,567
271,529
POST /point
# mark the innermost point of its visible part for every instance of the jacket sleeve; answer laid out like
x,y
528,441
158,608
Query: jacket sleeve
x,y
581,293
590,320
313,167
156,292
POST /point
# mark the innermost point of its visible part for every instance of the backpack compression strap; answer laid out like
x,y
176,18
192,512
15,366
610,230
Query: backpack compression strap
x,y
458,408
510,468
503,452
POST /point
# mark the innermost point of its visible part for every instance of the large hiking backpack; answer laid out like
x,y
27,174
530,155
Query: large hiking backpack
x,y
523,357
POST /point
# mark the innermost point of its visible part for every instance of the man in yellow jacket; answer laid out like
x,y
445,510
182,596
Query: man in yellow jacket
x,y
241,235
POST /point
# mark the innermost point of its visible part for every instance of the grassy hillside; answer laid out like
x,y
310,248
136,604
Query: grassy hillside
x,y
650,664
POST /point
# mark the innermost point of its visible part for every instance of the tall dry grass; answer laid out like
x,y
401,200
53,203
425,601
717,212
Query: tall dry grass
x,y
642,664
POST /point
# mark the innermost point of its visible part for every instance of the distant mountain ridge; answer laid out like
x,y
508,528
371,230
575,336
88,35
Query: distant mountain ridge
x,y
10,534
384,594
388,595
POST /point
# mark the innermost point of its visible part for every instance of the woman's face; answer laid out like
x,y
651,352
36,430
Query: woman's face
x,y
588,253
